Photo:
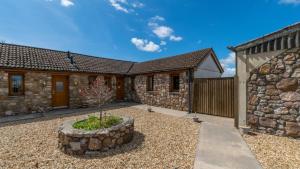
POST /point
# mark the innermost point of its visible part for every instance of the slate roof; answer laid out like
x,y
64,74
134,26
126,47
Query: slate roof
x,y
25,57
183,61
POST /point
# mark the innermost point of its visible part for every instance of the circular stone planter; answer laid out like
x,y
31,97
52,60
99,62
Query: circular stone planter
x,y
79,142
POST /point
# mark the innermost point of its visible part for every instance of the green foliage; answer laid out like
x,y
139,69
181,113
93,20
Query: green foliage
x,y
93,122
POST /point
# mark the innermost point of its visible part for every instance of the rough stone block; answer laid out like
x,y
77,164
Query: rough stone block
x,y
290,84
75,146
290,96
267,122
292,129
281,110
94,144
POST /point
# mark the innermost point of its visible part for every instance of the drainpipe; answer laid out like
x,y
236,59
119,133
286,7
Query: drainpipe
x,y
190,81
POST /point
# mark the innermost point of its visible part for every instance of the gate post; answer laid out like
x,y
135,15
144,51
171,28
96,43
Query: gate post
x,y
236,101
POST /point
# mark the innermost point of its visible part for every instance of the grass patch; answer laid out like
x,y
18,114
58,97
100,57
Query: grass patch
x,y
93,122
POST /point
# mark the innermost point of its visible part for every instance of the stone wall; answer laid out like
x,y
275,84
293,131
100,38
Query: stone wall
x,y
38,95
80,81
274,96
161,95
79,142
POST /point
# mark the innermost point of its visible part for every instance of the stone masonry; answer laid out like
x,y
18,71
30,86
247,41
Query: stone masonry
x,y
38,92
81,142
38,97
161,95
274,96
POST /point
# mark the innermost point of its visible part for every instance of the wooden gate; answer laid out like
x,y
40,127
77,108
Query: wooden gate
x,y
214,96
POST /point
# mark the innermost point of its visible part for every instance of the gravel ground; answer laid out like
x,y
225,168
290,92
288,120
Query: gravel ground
x,y
160,141
275,152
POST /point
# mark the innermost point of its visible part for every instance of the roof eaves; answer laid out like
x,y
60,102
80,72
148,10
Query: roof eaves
x,y
295,25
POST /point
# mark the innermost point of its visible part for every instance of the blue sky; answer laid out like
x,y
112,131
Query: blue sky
x,y
140,30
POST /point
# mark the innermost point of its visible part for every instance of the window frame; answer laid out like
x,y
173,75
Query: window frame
x,y
94,79
109,81
172,82
10,91
152,83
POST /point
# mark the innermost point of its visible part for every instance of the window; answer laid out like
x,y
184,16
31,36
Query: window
x,y
175,82
92,79
16,84
107,80
150,83
132,83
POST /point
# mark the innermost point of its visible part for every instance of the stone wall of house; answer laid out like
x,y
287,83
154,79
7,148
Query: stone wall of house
x,y
129,93
161,95
274,96
38,93
78,82
37,96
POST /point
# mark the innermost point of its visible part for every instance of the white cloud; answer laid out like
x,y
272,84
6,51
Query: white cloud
x,y
137,5
145,45
162,31
228,64
157,18
292,2
163,43
66,3
175,38
118,5
125,6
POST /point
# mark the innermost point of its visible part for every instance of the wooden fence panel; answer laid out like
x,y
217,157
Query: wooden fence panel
x,y
214,96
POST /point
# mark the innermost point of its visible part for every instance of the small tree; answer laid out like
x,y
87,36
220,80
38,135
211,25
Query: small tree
x,y
97,90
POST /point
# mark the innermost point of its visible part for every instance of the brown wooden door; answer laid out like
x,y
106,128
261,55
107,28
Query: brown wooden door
x,y
60,91
120,88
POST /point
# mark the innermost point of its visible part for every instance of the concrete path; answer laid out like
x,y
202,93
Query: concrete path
x,y
170,112
222,147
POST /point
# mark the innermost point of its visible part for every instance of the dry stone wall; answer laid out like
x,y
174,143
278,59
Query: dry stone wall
x,y
274,96
81,142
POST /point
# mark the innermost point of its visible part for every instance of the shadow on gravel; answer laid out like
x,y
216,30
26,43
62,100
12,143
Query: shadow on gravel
x,y
135,144
38,117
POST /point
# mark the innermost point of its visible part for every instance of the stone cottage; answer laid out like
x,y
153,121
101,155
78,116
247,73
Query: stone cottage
x,y
268,72
37,80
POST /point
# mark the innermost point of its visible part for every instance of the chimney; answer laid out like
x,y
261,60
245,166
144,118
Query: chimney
x,y
70,57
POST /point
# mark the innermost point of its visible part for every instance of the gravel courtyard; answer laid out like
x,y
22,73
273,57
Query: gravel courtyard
x,y
160,141
275,152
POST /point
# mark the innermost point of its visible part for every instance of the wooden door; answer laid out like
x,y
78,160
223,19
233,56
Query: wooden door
x,y
120,88
60,91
